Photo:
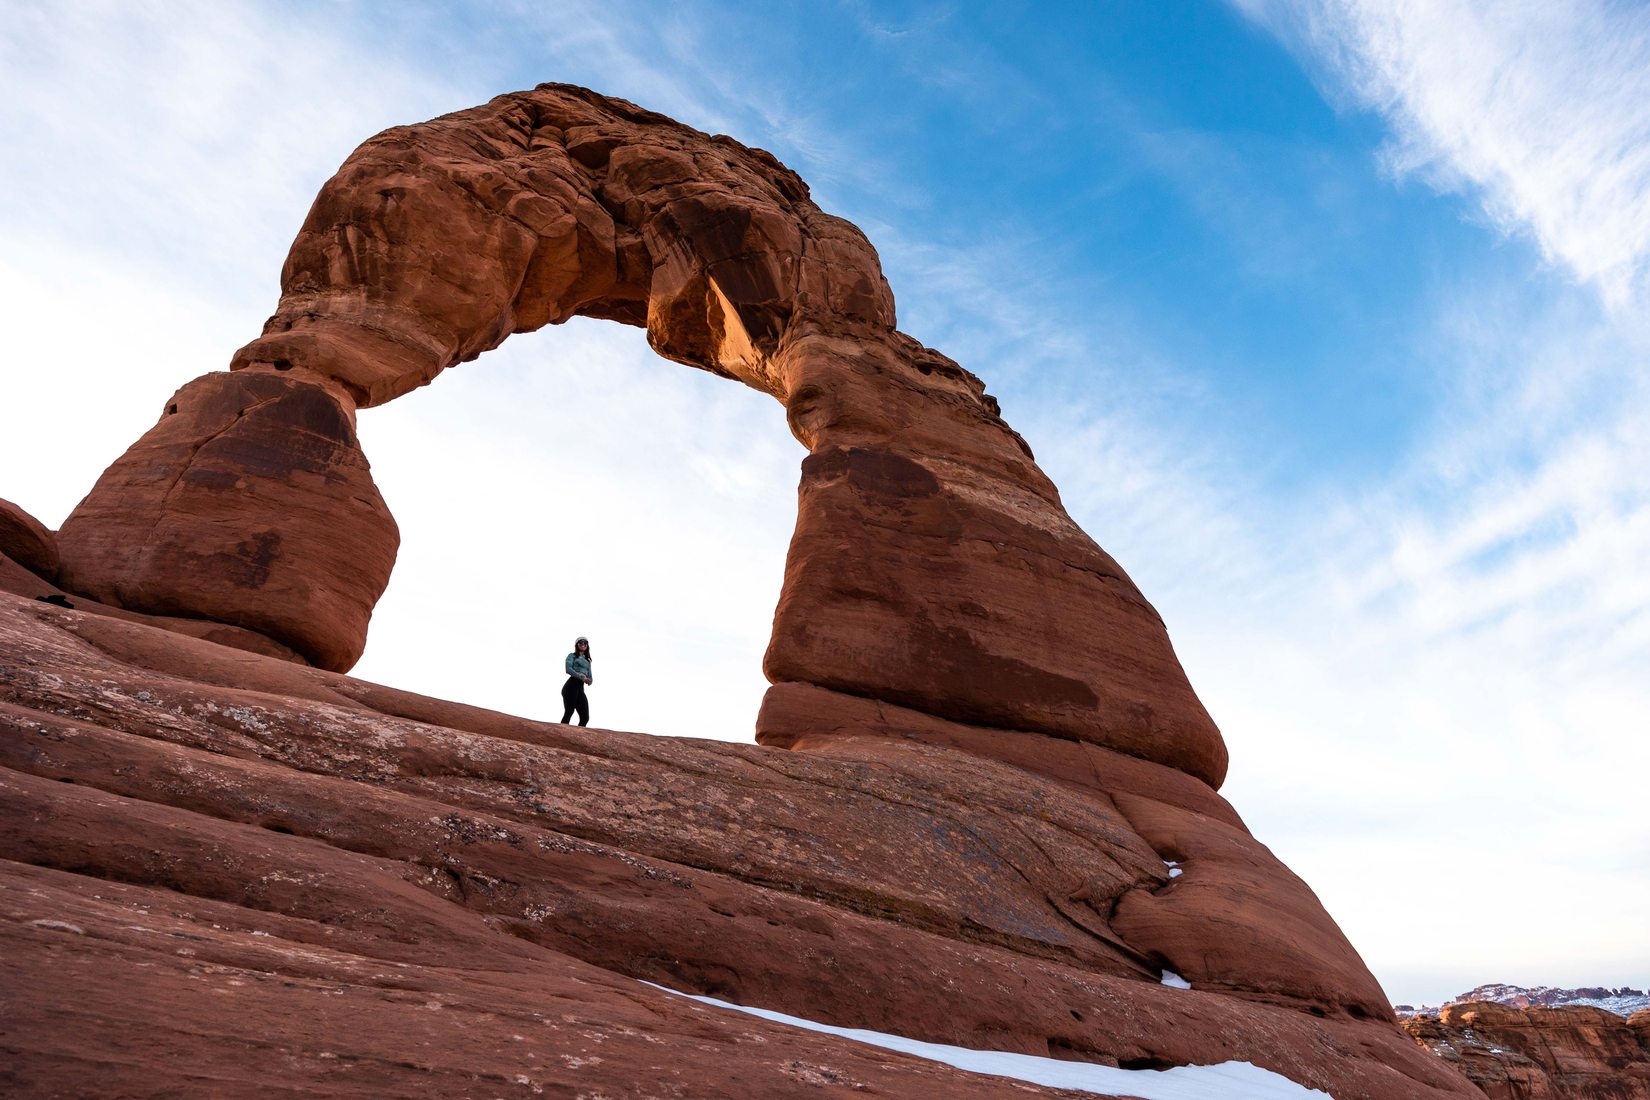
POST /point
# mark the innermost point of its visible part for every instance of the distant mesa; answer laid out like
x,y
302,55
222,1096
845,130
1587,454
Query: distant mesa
x,y
1621,1000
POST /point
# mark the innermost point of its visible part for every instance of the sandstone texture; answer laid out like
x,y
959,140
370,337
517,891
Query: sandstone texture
x,y
983,807
29,583
226,874
246,475
1569,1052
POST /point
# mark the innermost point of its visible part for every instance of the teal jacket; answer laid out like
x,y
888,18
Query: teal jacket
x,y
579,666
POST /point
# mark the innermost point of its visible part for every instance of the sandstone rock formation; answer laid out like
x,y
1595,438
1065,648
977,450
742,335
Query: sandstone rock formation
x,y
249,502
33,582
26,541
993,752
244,474
1622,1000
1569,1052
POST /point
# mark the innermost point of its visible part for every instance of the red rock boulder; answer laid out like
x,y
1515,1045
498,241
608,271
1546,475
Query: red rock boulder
x,y
250,504
26,541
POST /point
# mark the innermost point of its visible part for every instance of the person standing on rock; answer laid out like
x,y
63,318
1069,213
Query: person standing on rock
x,y
578,675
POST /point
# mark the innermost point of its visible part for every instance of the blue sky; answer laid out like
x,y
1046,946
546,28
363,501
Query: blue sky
x,y
1327,316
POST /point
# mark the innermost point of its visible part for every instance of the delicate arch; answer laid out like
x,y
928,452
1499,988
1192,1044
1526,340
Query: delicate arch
x,y
933,566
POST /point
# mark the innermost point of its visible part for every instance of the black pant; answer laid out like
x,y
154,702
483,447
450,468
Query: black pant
x,y
572,697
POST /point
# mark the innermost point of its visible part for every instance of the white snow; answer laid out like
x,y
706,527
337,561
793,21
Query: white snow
x,y
1620,1005
1226,1081
1175,981
1175,870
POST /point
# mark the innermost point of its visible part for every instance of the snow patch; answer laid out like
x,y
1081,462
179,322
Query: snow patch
x,y
1175,981
1226,1081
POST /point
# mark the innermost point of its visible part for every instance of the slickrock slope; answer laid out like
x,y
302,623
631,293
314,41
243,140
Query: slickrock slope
x,y
232,870
224,869
1568,1052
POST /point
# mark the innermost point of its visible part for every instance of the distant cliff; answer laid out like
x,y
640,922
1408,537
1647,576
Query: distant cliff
x,y
1623,1000
1562,1052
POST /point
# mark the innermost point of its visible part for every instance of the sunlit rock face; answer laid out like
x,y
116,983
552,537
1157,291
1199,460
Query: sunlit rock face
x,y
222,868
993,757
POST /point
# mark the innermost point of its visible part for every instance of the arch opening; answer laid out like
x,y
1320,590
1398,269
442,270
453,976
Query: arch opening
x,y
582,485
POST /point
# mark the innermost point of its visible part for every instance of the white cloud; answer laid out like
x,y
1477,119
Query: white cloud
x,y
1443,713
169,133
159,161
1541,108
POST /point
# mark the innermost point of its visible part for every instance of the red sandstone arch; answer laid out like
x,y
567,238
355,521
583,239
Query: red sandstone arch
x,y
933,566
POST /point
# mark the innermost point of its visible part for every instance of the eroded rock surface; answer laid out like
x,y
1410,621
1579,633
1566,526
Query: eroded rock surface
x,y
219,863
1568,1052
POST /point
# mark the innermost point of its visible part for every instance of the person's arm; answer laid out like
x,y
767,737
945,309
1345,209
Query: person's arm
x,y
568,664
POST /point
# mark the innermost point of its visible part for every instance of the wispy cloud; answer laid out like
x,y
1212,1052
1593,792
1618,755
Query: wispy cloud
x,y
167,133
1539,108
1485,606
159,161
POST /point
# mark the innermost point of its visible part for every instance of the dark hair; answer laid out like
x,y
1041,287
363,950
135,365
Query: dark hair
x,y
587,654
